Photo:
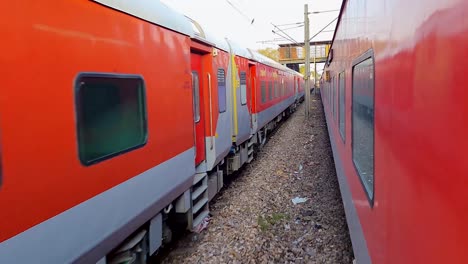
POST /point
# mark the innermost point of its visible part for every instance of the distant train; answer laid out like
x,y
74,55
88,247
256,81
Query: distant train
x,y
119,119
395,97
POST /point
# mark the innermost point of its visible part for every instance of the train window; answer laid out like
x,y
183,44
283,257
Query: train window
x,y
275,85
327,91
110,114
196,96
280,88
270,90
341,106
221,76
243,86
333,97
283,88
363,121
263,90
276,89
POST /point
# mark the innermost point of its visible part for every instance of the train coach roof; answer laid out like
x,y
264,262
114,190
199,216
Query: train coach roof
x,y
158,13
239,50
267,61
220,43
201,33
154,12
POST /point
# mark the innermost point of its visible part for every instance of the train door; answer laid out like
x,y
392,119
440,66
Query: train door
x,y
252,90
197,73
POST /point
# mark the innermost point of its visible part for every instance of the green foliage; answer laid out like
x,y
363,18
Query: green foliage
x,y
265,222
312,73
302,69
262,223
270,53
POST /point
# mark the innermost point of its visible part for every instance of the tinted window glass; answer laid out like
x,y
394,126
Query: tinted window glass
x,y
111,115
275,88
221,90
333,97
270,91
283,85
341,118
243,86
196,96
263,89
363,123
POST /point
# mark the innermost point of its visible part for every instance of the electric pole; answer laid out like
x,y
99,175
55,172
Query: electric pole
x,y
307,60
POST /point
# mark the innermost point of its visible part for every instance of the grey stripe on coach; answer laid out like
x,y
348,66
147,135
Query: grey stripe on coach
x,y
84,233
270,113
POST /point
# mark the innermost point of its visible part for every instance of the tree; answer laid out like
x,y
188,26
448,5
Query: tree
x,y
312,72
270,53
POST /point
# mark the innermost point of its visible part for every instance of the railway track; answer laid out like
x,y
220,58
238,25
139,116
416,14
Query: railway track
x,y
254,219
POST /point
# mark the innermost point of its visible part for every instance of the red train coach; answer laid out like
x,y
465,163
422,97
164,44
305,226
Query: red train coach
x,y
277,89
93,145
118,120
395,108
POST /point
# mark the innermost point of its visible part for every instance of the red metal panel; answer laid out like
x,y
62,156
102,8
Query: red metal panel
x,y
269,74
42,53
210,64
420,209
254,86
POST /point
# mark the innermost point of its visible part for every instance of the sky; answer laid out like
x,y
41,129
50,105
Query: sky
x,y
232,19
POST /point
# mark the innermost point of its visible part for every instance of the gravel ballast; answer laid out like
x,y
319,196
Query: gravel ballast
x,y
254,219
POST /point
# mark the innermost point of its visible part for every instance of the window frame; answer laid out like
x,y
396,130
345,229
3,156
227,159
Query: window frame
x,y
275,89
366,55
330,96
270,90
240,82
196,95
283,85
263,91
342,133
333,98
225,90
78,113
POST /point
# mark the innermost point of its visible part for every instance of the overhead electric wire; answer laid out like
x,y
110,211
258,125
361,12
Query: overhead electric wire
x,y
323,28
271,40
324,11
285,33
286,38
290,24
293,27
240,12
